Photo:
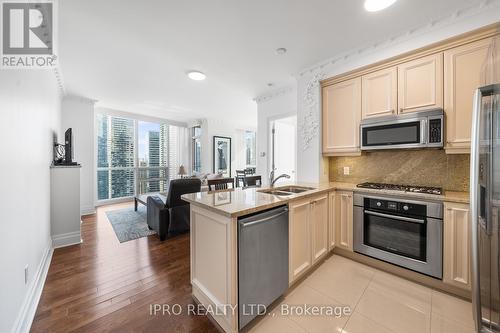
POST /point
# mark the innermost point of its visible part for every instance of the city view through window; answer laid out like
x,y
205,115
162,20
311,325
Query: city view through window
x,y
135,156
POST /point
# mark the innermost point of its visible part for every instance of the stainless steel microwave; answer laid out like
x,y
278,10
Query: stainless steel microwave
x,y
413,130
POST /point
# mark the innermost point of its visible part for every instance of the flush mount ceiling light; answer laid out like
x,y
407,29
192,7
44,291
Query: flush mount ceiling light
x,y
280,51
196,75
376,5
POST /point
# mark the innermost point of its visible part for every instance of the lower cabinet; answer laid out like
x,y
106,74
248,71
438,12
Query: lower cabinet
x,y
343,219
331,221
456,245
308,234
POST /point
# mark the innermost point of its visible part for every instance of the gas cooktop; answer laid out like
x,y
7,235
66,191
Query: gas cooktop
x,y
403,188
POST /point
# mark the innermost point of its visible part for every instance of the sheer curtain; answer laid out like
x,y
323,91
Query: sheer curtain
x,y
178,151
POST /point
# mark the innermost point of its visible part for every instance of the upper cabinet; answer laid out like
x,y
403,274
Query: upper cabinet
x,y
420,84
444,75
380,93
465,70
341,117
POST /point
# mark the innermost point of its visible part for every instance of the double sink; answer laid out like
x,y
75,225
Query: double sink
x,y
286,190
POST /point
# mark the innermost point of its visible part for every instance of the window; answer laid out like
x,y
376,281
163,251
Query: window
x,y
115,157
136,157
250,147
196,147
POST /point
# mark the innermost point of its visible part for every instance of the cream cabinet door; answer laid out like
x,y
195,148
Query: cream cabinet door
x,y
319,227
463,69
420,84
456,245
341,117
299,238
343,219
379,93
331,221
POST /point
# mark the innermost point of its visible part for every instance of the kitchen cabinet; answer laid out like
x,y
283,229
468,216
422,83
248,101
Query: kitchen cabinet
x,y
456,245
341,117
331,221
319,227
420,84
464,69
343,219
379,93
308,234
299,238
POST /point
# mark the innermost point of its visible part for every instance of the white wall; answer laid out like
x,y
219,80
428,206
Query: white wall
x,y
215,127
78,113
278,106
29,119
311,166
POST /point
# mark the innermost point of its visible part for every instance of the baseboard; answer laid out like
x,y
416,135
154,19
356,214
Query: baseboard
x,y
70,238
30,303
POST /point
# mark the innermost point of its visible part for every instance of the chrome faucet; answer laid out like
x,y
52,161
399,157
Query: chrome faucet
x,y
273,180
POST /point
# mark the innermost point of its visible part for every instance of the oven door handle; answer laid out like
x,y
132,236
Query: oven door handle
x,y
395,217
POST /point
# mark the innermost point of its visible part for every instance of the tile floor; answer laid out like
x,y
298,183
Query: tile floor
x,y
379,303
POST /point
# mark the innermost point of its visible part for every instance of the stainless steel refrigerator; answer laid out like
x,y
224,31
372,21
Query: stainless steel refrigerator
x,y
485,200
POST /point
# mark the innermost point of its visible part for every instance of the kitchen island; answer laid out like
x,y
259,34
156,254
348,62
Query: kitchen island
x,y
319,220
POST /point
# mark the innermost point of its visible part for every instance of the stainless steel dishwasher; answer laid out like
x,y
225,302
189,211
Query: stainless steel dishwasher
x,y
262,261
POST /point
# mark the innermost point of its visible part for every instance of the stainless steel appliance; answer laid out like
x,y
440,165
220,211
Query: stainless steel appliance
x,y
262,261
413,130
484,204
403,188
407,233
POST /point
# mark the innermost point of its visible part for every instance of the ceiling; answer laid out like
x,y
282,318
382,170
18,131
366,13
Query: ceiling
x,y
133,55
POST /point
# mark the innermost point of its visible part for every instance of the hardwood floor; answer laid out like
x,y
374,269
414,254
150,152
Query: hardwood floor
x,y
102,285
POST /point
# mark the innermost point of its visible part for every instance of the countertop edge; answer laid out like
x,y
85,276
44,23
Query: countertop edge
x,y
448,196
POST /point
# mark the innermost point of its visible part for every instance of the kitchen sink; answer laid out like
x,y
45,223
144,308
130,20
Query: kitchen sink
x,y
295,189
287,190
276,192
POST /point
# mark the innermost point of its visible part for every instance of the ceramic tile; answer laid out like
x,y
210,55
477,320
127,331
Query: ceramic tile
x,y
441,324
393,314
277,324
326,322
341,279
452,308
410,294
360,324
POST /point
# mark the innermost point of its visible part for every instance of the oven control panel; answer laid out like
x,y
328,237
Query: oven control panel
x,y
402,208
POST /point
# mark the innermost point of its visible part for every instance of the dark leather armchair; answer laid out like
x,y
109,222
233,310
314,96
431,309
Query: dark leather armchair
x,y
172,218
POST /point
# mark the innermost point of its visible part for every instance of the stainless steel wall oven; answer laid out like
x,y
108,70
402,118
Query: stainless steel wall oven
x,y
404,232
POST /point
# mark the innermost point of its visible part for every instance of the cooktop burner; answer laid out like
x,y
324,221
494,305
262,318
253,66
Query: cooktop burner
x,y
404,188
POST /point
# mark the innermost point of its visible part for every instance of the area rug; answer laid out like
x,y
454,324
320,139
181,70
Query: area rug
x,y
128,224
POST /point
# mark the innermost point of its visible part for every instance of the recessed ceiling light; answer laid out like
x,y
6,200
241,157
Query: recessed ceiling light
x,y
280,50
376,5
197,76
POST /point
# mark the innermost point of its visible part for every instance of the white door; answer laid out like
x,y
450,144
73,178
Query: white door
x,y
285,142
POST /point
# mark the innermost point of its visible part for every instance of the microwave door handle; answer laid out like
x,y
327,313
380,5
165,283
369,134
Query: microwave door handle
x,y
474,205
423,131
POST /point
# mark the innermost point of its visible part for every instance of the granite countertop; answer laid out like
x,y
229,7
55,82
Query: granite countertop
x,y
239,202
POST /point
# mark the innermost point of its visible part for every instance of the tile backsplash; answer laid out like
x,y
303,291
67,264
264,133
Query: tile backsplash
x,y
410,167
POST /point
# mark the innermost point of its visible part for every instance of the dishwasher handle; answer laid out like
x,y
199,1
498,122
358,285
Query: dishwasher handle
x,y
244,224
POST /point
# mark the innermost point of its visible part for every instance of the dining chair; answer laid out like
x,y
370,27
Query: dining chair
x,y
252,181
220,184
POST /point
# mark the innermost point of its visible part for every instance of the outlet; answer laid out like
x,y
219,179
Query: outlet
x,y
347,171
26,269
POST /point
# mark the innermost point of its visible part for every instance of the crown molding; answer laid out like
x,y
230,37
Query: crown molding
x,y
444,21
59,79
273,94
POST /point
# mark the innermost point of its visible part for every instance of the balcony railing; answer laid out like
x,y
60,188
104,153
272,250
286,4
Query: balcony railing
x,y
151,179
122,182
